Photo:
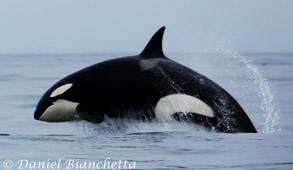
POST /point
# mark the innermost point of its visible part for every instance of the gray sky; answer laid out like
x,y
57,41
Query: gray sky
x,y
126,26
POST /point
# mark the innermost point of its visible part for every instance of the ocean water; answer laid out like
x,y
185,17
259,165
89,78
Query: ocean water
x,y
261,82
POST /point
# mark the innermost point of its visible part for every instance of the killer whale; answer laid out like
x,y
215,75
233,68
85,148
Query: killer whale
x,y
148,86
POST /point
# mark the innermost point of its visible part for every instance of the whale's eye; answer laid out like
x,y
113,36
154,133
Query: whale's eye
x,y
60,90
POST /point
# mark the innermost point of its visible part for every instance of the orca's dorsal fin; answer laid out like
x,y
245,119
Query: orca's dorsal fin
x,y
154,49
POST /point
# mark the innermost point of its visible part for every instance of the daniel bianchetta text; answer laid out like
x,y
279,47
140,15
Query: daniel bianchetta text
x,y
65,163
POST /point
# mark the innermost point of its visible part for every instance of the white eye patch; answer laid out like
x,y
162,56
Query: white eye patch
x,y
60,90
174,103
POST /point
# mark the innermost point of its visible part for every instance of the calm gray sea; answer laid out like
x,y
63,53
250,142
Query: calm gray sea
x,y
261,82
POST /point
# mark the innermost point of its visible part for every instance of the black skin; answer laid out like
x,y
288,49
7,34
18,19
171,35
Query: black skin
x,y
130,87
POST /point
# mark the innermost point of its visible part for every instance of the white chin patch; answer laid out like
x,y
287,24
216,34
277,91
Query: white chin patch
x,y
60,90
175,103
61,111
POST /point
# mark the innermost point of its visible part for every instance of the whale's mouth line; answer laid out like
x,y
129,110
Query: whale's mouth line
x,y
38,113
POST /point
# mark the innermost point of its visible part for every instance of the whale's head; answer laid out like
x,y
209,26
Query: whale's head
x,y
55,106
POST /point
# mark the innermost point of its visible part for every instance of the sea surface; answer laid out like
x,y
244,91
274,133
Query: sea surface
x,y
261,82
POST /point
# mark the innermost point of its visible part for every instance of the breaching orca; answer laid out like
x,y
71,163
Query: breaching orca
x,y
148,86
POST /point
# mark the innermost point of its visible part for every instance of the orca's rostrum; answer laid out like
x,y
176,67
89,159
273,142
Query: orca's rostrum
x,y
146,87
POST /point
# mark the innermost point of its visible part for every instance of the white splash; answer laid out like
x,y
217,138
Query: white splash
x,y
271,114
127,126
